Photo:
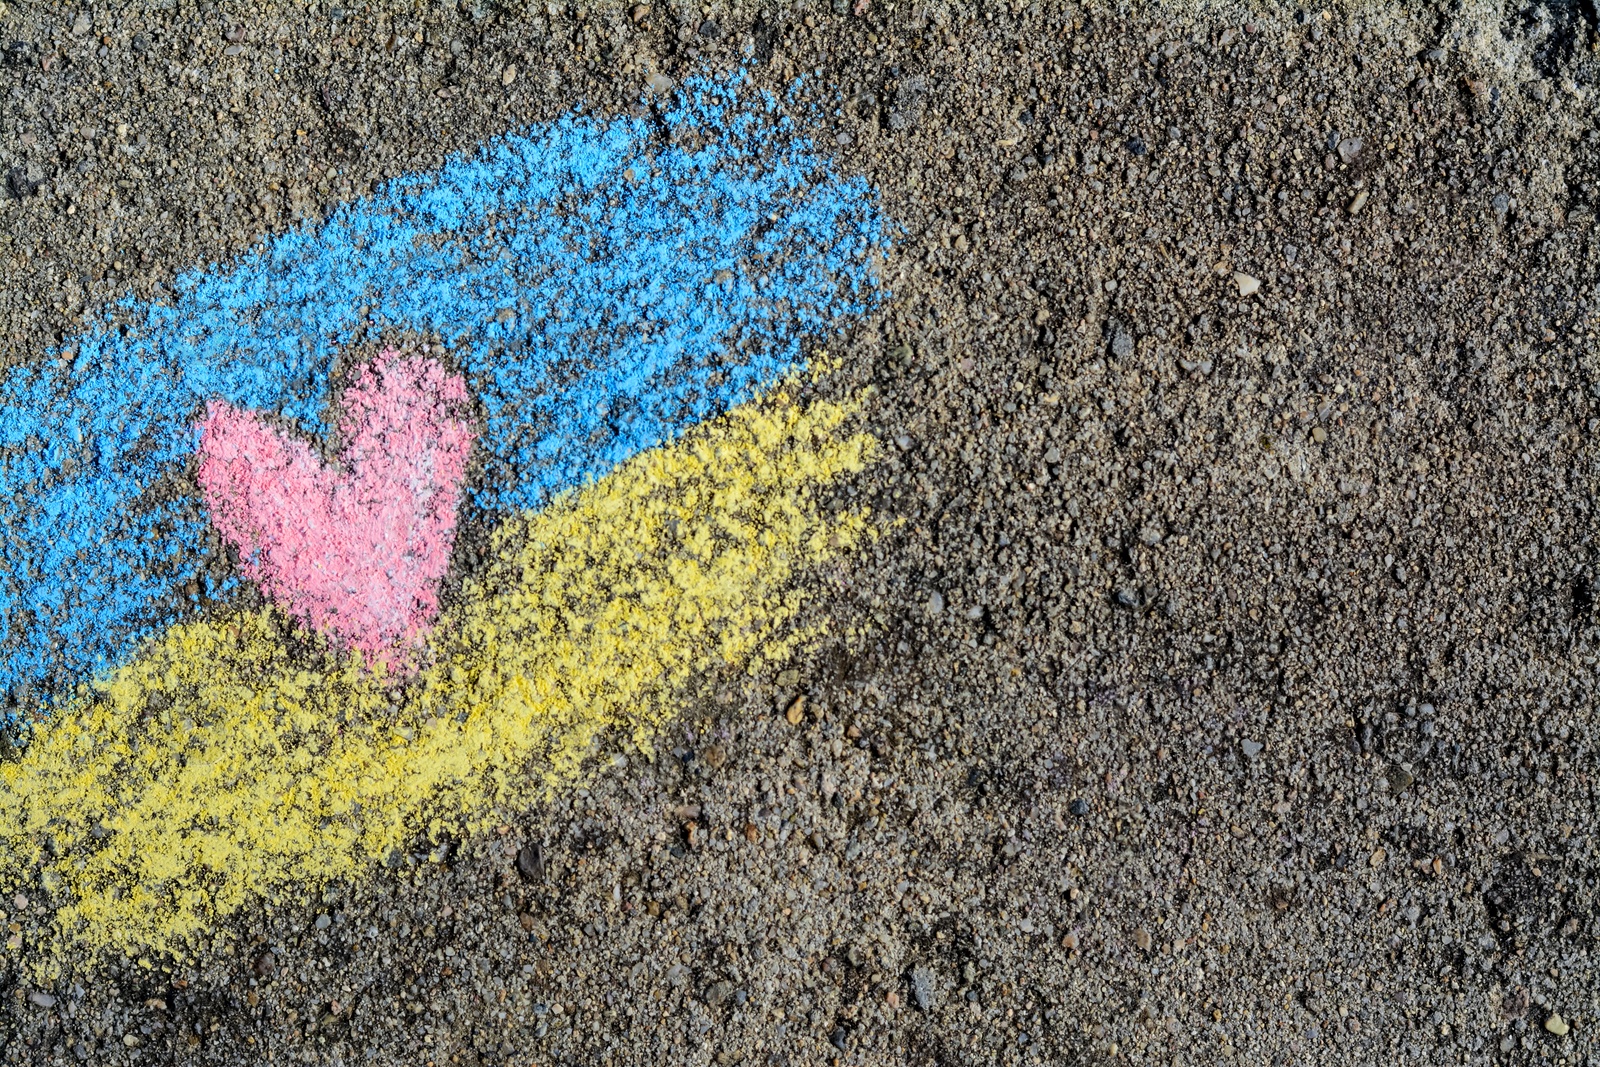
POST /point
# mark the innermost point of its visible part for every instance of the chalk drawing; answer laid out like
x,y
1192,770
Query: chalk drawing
x,y
602,322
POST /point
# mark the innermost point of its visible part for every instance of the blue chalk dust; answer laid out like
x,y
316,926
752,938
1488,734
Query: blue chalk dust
x,y
603,285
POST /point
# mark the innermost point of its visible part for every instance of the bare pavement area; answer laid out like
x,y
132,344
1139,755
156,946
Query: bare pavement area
x,y
1219,683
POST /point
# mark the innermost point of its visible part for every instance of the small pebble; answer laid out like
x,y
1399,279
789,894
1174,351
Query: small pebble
x,y
922,987
1557,1025
530,862
1248,284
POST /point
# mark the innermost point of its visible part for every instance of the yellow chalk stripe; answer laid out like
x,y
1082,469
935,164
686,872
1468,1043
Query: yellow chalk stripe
x,y
234,761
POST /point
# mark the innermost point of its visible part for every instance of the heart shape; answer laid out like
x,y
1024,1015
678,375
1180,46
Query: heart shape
x,y
358,552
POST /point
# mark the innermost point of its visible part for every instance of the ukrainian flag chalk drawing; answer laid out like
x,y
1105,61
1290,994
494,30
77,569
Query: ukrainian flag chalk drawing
x,y
586,337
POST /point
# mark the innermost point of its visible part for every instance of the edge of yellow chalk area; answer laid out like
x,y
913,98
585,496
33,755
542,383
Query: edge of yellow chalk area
x,y
226,765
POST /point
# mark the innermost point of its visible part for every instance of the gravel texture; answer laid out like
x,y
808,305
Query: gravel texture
x,y
1224,691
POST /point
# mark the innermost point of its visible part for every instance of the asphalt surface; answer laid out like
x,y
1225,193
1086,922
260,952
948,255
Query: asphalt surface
x,y
1221,687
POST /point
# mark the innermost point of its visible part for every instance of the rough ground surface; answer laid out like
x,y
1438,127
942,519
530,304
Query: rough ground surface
x,y
1228,693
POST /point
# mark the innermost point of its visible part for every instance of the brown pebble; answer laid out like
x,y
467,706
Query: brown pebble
x,y
797,711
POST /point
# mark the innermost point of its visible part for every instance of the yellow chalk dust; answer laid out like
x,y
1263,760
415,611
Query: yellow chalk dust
x,y
227,765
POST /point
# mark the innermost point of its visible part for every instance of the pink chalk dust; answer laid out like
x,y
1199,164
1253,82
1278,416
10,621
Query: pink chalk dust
x,y
355,552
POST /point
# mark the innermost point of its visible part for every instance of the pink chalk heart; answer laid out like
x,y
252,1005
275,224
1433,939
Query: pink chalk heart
x,y
357,552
